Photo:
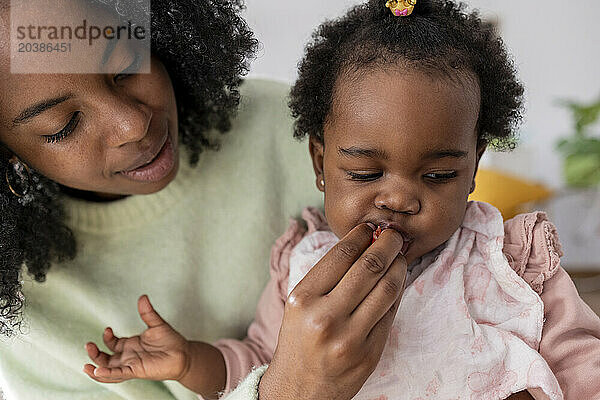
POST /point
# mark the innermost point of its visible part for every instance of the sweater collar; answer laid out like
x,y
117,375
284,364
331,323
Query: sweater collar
x,y
131,211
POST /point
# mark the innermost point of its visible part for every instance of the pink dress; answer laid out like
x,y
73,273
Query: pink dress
x,y
479,329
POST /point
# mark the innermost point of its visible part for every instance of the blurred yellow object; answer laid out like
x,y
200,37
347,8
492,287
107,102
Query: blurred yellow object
x,y
506,192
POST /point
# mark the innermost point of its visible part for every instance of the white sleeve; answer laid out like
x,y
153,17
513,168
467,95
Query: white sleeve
x,y
248,388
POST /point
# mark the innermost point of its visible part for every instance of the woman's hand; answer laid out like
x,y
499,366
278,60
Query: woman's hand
x,y
159,353
337,320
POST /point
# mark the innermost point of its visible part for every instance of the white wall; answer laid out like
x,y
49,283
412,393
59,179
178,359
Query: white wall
x,y
555,43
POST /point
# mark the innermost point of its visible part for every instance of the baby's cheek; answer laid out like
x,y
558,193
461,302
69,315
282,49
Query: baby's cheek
x,y
342,214
443,224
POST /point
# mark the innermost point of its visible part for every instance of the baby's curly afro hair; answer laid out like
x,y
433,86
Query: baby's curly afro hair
x,y
439,37
205,46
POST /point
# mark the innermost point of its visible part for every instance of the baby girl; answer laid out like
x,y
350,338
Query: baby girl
x,y
399,107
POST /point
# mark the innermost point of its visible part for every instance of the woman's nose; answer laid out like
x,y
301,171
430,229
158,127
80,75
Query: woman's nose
x,y
129,122
398,200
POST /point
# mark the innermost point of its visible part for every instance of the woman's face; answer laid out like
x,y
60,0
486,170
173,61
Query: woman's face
x,y
103,133
400,150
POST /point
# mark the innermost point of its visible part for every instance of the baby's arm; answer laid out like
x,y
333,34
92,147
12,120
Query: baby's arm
x,y
570,341
571,338
259,345
159,353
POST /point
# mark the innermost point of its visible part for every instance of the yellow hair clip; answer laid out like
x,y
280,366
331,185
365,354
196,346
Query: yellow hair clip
x,y
401,7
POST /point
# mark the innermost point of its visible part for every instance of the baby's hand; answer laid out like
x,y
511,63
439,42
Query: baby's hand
x,y
159,353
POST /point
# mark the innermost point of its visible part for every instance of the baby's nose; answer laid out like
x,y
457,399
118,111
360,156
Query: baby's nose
x,y
398,201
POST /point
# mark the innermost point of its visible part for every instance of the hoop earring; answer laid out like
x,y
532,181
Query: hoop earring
x,y
22,173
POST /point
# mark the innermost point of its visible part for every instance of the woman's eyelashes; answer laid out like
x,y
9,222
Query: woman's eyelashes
x,y
131,69
72,124
66,131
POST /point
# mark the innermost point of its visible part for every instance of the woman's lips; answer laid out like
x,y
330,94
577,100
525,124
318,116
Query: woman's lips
x,y
158,168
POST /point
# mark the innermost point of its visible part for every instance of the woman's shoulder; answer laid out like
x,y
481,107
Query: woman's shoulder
x,y
262,113
264,95
261,88
259,160
532,247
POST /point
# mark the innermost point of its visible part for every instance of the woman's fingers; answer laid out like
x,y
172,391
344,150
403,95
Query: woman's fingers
x,y
378,336
326,274
377,304
367,272
148,314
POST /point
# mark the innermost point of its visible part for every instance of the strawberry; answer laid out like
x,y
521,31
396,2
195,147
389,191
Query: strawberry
x,y
376,234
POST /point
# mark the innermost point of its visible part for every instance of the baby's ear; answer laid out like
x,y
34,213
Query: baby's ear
x,y
315,147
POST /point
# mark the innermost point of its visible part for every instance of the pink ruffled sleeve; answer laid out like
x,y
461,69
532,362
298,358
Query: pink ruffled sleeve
x,y
259,346
571,334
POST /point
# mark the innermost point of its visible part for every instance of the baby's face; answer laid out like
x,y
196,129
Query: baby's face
x,y
400,150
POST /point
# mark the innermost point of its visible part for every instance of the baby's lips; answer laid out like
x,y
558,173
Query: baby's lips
x,y
377,233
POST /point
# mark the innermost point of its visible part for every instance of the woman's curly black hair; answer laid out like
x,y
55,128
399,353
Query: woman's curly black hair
x,y
205,46
439,37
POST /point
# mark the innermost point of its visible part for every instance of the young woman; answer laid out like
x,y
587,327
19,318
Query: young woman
x,y
106,192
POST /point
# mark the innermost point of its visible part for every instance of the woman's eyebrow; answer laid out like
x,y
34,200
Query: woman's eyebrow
x,y
32,111
355,152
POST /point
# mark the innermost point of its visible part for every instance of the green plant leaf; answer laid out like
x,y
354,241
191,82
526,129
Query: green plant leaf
x,y
579,145
582,170
584,115
581,152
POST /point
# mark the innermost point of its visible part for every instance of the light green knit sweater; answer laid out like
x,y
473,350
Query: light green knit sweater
x,y
199,248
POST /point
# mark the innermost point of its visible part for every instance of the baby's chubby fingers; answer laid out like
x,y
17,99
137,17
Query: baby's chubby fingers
x,y
89,371
103,375
99,357
111,341
114,373
148,313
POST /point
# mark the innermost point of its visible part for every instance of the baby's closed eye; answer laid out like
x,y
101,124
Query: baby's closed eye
x,y
441,176
364,176
436,177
